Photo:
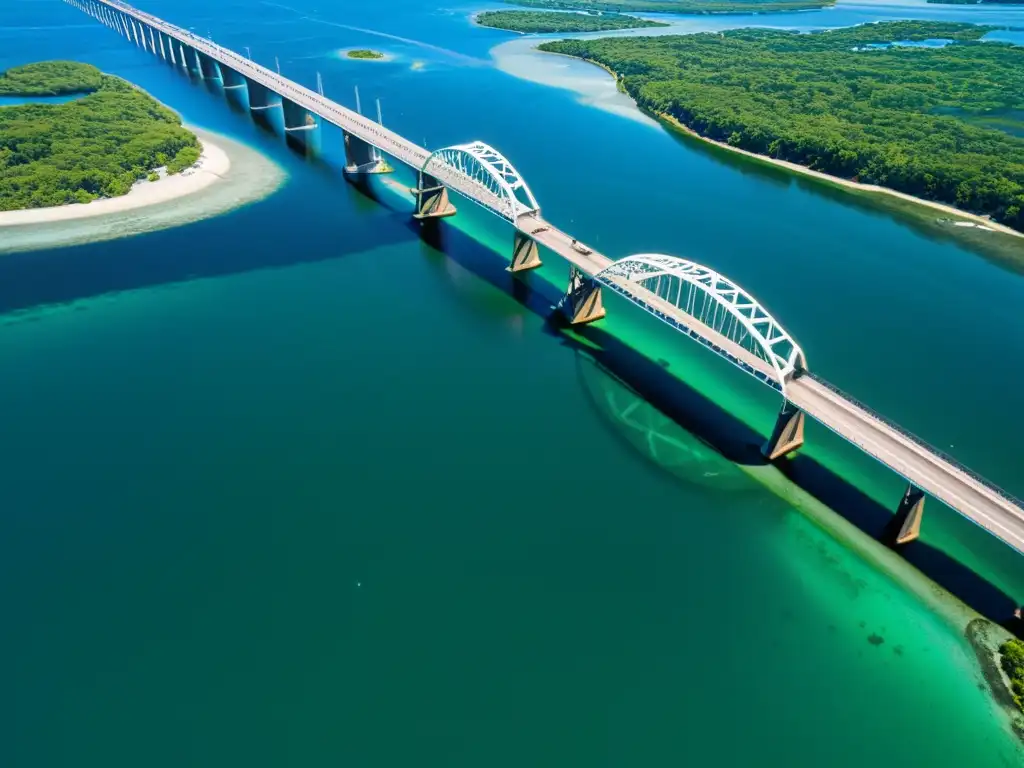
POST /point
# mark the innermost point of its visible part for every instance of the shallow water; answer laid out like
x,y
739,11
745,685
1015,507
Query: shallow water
x,y
299,484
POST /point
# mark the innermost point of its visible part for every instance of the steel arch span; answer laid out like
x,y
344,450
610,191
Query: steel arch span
x,y
477,167
717,303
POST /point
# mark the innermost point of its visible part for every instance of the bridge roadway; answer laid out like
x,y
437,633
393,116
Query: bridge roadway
x,y
921,465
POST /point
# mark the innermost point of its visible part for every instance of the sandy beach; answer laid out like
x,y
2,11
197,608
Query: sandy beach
x,y
212,166
230,174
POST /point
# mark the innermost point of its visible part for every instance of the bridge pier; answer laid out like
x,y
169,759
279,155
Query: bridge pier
x,y
301,129
432,199
171,42
261,97
208,67
788,434
582,301
1015,624
152,40
232,79
905,527
363,157
525,254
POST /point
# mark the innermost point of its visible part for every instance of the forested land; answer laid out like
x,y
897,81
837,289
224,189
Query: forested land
x,y
676,6
1013,664
555,21
925,121
50,78
95,146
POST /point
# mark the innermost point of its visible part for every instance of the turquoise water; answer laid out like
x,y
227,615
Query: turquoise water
x,y
300,485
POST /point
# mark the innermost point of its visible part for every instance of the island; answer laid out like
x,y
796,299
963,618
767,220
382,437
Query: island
x,y
364,53
555,21
99,145
1012,660
862,106
677,6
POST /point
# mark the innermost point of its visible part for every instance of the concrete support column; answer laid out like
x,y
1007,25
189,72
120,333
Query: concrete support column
x,y
905,527
432,199
208,67
182,58
361,157
301,127
152,40
525,254
582,301
1015,624
261,97
788,434
231,78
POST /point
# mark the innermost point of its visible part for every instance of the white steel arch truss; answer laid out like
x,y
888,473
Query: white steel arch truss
x,y
719,304
485,175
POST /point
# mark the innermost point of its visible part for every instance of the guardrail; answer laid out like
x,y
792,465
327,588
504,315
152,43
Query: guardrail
x,y
918,441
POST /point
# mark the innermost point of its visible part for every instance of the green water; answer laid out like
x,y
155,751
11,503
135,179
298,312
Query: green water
x,y
296,485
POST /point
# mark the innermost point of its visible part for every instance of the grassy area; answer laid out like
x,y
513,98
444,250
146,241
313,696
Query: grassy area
x,y
96,146
555,21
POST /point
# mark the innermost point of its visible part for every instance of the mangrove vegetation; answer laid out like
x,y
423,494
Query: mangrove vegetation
x,y
1012,659
96,146
555,21
676,6
934,122
50,78
364,53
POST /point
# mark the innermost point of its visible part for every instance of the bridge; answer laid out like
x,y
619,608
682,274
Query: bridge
x,y
698,302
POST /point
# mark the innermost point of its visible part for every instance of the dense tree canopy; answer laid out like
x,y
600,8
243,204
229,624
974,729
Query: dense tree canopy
x,y
555,21
1013,664
96,146
933,122
50,78
676,6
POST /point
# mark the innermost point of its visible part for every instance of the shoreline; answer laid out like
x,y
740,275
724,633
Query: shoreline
x,y
980,222
252,176
212,166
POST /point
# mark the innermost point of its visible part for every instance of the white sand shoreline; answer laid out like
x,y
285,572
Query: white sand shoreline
x,y
153,206
211,167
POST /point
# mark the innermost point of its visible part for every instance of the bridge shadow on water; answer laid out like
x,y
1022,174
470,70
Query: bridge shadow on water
x,y
93,269
712,425
33,278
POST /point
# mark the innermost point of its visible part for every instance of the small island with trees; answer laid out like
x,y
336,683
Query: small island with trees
x,y
92,147
555,21
676,6
364,53
859,105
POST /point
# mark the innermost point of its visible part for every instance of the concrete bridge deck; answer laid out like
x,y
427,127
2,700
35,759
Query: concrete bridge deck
x,y
921,465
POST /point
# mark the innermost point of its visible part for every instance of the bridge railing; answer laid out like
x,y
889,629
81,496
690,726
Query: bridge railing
x,y
918,441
